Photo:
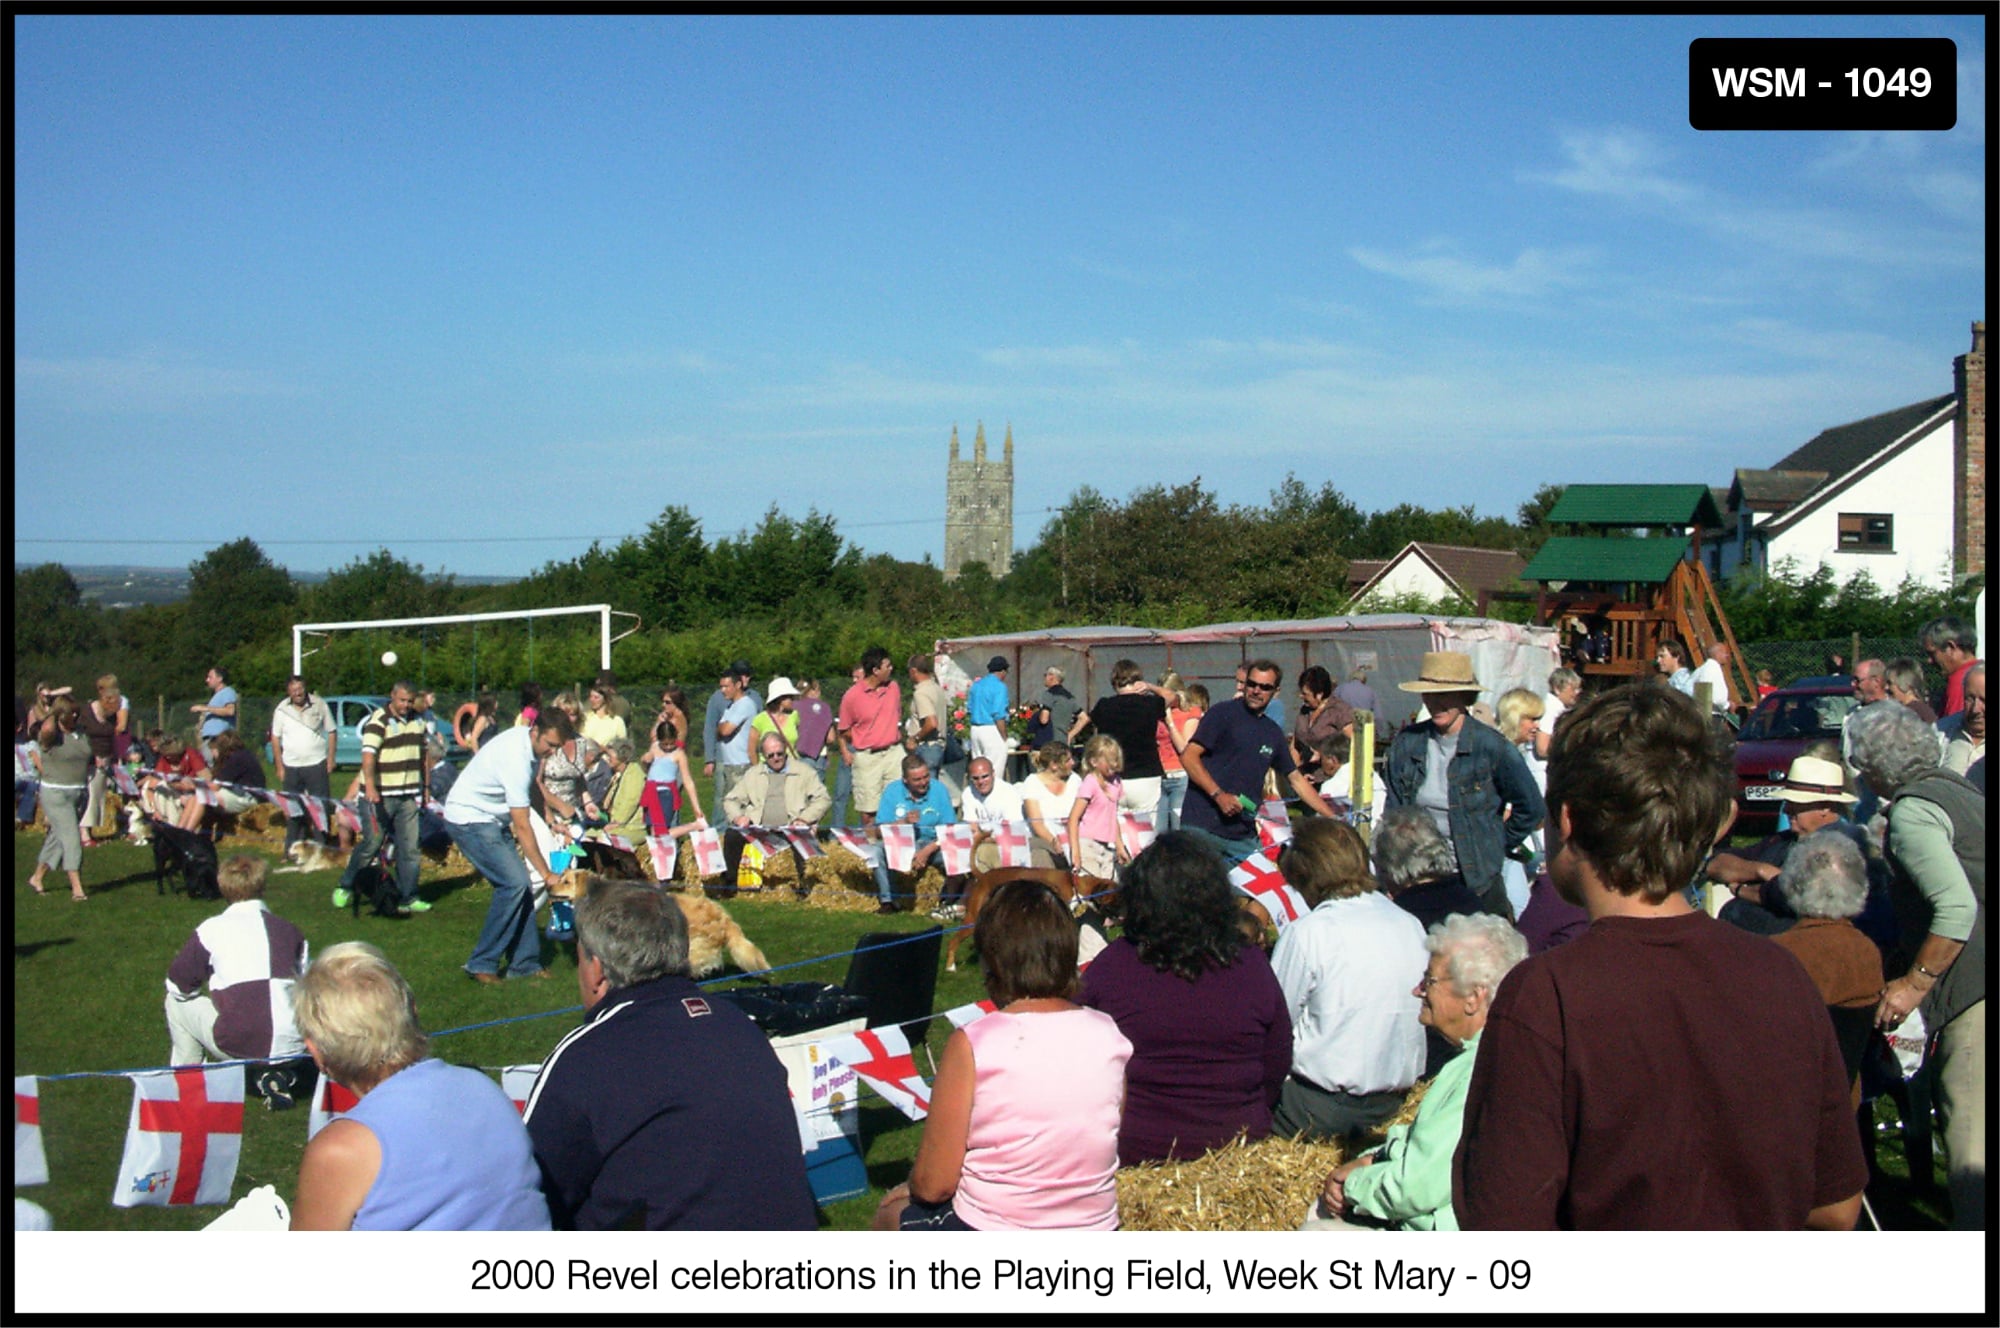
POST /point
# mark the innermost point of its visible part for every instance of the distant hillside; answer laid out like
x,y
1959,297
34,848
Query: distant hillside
x,y
118,586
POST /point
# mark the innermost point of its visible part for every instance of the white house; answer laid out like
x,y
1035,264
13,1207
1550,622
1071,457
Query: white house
x,y
1897,495
1433,572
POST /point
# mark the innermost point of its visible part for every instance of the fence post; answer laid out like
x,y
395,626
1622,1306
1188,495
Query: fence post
x,y
162,725
1854,652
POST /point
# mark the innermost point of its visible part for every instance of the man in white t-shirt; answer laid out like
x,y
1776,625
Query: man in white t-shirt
x,y
987,801
303,750
488,799
1711,672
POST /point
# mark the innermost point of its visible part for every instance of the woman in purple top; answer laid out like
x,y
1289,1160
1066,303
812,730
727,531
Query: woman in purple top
x,y
430,1146
1211,1036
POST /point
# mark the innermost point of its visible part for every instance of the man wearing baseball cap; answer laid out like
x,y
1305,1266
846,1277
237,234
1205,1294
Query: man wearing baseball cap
x,y
986,705
1471,780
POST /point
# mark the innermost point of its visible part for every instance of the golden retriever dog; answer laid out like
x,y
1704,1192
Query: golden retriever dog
x,y
712,933
1068,885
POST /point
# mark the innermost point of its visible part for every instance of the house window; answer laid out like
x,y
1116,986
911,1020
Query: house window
x,y
1867,532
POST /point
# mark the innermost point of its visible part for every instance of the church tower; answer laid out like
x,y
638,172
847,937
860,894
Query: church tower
x,y
979,507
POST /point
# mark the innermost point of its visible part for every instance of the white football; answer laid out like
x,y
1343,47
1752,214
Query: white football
x,y
389,658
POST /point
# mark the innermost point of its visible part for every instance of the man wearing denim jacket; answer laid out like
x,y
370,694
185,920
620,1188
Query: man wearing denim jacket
x,y
1465,775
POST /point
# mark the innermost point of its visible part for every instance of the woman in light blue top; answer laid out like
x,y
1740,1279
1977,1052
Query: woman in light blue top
x,y
430,1146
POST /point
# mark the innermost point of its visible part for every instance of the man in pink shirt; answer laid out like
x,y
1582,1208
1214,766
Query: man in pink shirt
x,y
871,733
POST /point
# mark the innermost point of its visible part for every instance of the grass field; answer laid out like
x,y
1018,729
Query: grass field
x,y
88,993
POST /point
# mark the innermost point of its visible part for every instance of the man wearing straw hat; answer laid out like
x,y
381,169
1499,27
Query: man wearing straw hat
x,y
1816,797
1470,779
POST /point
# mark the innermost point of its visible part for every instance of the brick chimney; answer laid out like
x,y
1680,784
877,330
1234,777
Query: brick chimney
x,y
1968,459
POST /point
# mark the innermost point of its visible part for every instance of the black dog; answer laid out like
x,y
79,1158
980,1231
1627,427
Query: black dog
x,y
184,859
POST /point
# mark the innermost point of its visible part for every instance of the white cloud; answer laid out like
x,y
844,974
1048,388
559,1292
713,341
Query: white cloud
x,y
150,379
1620,163
1448,276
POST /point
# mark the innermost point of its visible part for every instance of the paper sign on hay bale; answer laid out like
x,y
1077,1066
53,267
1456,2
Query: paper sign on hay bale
x,y
185,1135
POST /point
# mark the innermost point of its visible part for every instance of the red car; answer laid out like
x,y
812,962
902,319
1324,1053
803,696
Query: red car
x,y
1782,726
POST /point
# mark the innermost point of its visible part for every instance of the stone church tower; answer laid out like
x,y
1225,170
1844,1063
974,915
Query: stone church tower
x,y
979,507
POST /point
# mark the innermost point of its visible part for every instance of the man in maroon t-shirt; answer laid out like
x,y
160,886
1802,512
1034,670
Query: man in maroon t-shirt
x,y
1663,1070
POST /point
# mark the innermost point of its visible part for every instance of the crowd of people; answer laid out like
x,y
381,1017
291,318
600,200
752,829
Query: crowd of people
x,y
1523,930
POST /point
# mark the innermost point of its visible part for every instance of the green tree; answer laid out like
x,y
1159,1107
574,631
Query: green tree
x,y
380,585
51,616
1533,518
235,595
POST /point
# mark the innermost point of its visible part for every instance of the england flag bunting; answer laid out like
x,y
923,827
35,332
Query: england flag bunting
x,y
619,842
31,1164
519,1082
666,851
899,846
294,809
1011,838
860,845
707,845
330,1102
881,1057
804,842
1258,877
24,765
348,817
769,840
185,1135
1274,824
315,812
961,1015
1136,830
122,778
204,793
955,847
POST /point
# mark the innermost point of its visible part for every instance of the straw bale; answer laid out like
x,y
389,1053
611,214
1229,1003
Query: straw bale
x,y
1269,1185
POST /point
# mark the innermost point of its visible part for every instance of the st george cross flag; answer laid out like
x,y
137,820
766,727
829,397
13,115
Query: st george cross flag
x,y
859,844
1274,824
707,846
899,846
519,1081
315,812
348,817
1011,838
619,842
955,847
182,1144
803,841
1258,877
666,850
771,841
120,776
1137,831
294,809
330,1102
31,1164
204,793
961,1015
881,1056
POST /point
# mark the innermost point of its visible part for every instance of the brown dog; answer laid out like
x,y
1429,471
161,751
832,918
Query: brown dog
x,y
712,933
1071,887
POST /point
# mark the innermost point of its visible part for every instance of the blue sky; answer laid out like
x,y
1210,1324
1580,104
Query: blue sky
x,y
425,279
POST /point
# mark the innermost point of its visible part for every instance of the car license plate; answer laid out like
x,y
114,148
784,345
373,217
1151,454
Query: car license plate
x,y
1763,792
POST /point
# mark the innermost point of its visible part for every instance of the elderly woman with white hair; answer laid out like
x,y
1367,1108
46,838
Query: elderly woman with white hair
x,y
1936,847
430,1146
1825,881
1405,1183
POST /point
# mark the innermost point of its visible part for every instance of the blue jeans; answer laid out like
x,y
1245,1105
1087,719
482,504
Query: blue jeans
x,y
508,936
1231,851
1173,792
843,789
402,815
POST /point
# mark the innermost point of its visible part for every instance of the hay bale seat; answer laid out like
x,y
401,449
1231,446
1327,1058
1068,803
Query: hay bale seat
x,y
1269,1185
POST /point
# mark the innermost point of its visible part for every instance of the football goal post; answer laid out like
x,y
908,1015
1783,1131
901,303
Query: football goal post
x,y
605,613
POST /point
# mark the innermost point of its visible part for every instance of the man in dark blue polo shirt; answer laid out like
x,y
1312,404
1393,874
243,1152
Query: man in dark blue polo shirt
x,y
1233,748
667,1109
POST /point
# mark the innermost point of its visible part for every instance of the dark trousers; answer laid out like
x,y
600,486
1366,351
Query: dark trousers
x,y
1322,1113
309,779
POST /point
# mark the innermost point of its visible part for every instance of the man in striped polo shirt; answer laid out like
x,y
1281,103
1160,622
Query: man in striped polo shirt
x,y
395,769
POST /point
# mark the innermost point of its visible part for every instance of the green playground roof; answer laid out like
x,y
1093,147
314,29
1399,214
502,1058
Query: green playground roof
x,y
1637,505
1648,561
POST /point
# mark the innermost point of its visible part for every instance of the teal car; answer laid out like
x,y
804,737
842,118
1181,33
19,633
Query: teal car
x,y
350,712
